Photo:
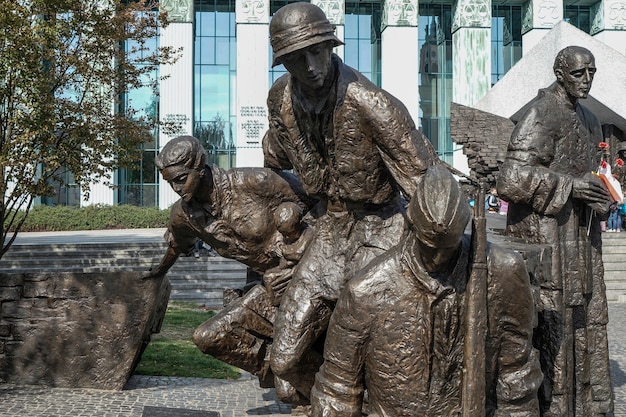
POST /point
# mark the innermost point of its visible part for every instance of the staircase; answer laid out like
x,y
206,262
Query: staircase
x,y
202,280
197,280
614,258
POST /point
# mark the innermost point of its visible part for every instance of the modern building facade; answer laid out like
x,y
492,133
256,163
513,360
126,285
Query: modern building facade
x,y
426,53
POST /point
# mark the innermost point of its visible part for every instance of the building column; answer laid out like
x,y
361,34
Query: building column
x,y
335,11
609,23
176,91
471,61
400,53
253,52
539,17
100,190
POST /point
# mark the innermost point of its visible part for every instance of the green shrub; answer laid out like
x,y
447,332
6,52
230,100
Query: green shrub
x,y
98,217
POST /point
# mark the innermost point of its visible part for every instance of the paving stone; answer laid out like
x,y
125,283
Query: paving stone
x,y
228,398
176,412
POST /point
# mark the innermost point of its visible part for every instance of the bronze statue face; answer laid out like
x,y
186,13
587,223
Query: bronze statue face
x,y
184,181
576,74
311,65
436,259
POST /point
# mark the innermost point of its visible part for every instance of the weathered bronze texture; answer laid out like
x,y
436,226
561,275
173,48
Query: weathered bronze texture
x,y
253,215
398,329
232,211
398,304
555,199
353,146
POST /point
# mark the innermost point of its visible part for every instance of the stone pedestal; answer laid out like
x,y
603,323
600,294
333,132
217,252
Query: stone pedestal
x,y
77,330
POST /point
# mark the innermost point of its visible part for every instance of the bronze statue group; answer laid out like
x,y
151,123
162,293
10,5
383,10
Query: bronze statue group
x,y
361,299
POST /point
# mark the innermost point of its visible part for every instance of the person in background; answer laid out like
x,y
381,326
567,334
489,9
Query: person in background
x,y
614,224
492,202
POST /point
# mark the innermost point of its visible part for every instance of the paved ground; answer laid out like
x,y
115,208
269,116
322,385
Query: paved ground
x,y
91,236
617,355
237,398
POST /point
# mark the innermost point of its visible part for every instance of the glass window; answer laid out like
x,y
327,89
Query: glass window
x,y
579,16
351,29
506,39
212,88
435,76
139,186
206,51
215,79
360,36
365,56
222,24
205,24
133,182
351,52
222,48
65,195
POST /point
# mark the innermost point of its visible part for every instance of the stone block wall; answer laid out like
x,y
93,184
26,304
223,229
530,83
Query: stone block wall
x,y
484,137
73,330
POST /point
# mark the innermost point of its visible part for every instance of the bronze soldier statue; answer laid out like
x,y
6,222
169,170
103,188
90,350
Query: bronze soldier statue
x,y
353,146
252,215
398,327
233,211
555,199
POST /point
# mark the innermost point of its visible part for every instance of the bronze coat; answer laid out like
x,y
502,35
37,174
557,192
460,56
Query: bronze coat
x,y
373,152
400,333
552,144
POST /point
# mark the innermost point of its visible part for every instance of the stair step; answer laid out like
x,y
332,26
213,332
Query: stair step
x,y
202,280
198,280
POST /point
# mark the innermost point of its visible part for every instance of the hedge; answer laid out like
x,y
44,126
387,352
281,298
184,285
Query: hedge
x,y
98,217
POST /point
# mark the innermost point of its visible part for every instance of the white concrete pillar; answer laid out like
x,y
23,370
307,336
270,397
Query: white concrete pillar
x,y
400,53
609,23
252,18
176,91
539,17
335,11
471,61
100,190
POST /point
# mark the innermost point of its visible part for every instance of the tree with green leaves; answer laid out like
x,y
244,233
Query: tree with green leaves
x,y
66,67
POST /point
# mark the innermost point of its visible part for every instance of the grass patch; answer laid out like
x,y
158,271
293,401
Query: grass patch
x,y
173,353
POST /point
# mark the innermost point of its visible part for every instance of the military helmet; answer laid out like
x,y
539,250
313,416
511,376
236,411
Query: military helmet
x,y
298,25
438,211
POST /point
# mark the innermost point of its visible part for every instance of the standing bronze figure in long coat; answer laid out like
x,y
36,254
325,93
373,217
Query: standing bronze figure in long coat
x,y
554,199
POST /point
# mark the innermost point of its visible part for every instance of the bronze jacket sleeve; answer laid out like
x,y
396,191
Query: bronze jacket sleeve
x,y
525,176
406,152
